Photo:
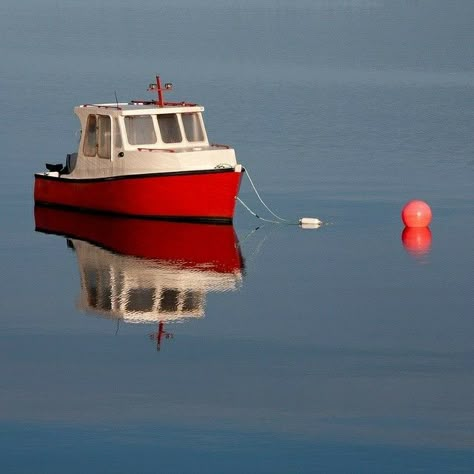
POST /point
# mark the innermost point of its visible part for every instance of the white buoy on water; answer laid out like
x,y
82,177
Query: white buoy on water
x,y
310,222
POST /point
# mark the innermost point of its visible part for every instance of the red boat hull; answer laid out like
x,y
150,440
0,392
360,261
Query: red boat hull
x,y
203,195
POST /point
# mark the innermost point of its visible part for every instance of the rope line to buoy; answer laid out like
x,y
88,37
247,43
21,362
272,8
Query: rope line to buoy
x,y
261,200
255,214
304,221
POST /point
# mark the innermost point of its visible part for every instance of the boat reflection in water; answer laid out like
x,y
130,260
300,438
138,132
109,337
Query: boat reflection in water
x,y
147,271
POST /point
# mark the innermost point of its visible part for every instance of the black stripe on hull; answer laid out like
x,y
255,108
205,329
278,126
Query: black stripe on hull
x,y
136,176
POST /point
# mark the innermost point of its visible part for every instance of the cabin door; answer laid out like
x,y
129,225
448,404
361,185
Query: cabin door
x,y
97,141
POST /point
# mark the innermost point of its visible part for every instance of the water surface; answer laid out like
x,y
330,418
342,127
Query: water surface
x,y
329,350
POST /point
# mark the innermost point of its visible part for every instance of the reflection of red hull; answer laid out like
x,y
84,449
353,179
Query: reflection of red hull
x,y
207,195
211,246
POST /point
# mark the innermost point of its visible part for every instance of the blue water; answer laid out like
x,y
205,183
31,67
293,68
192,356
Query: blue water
x,y
338,349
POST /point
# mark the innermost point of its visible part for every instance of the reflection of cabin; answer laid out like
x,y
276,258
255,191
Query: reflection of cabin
x,y
143,290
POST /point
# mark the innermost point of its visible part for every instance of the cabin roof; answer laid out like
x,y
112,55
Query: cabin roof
x,y
143,107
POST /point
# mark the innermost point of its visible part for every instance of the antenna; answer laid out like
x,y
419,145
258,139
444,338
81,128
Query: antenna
x,y
116,100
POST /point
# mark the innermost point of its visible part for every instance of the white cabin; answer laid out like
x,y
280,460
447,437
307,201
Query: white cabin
x,y
142,137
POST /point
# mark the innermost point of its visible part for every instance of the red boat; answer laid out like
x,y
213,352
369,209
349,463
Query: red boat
x,y
145,158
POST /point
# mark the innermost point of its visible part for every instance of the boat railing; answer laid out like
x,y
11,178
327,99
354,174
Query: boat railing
x,y
104,106
165,104
183,149
168,150
217,145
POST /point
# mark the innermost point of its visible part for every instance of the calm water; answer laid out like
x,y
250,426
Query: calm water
x,y
280,349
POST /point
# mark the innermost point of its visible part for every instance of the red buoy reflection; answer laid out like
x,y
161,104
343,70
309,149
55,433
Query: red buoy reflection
x,y
417,240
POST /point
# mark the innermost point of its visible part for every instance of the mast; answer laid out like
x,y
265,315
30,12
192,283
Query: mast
x,y
160,334
159,90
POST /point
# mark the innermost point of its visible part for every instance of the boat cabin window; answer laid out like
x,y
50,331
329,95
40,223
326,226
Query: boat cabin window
x,y
169,300
140,130
192,127
104,136
141,300
169,128
98,136
117,135
193,301
97,284
90,139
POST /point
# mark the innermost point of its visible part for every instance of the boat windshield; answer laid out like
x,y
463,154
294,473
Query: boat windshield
x,y
192,127
169,128
140,130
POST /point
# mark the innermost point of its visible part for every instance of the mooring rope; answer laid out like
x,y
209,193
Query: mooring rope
x,y
306,222
257,216
261,200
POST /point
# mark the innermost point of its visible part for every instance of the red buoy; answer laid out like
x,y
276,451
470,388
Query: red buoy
x,y
416,214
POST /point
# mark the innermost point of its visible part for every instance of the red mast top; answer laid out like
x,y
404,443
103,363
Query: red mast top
x,y
159,90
